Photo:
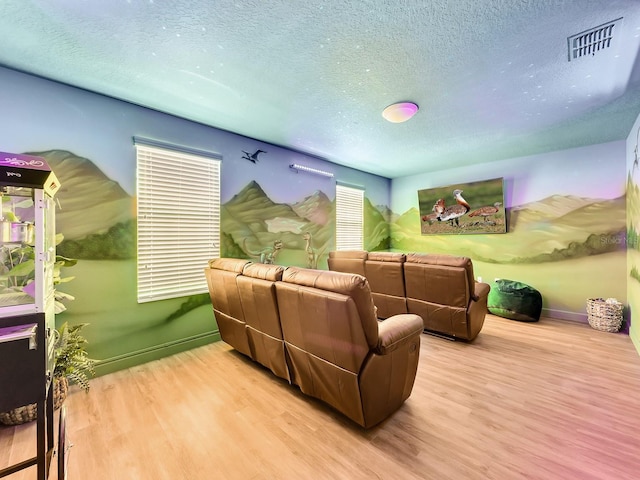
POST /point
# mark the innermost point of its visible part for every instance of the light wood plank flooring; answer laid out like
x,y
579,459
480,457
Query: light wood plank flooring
x,y
546,400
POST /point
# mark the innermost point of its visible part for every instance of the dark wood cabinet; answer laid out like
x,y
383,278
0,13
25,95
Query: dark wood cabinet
x,y
26,370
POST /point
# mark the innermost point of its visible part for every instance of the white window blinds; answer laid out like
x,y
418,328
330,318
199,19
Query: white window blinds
x,y
349,218
178,221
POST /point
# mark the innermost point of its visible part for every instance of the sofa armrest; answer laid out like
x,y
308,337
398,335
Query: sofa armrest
x,y
396,331
481,291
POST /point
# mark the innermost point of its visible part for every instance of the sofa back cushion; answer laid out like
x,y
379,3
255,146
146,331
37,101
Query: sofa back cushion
x,y
256,287
221,279
260,306
439,279
329,327
347,261
223,290
384,273
328,314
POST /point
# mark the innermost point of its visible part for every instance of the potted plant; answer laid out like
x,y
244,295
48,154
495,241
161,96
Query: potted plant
x,y
72,364
72,361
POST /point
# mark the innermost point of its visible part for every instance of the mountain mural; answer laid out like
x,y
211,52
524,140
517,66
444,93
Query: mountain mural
x,y
317,208
555,228
633,212
90,202
386,213
376,227
253,222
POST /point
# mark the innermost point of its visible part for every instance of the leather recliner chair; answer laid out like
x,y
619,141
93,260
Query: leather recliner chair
x,y
339,352
384,271
257,290
223,290
443,291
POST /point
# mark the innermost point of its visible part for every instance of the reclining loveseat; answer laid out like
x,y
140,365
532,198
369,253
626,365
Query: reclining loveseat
x,y
318,330
441,289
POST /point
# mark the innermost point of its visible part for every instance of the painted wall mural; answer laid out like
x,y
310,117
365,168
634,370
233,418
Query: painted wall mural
x,y
269,212
633,232
301,233
97,218
255,227
566,216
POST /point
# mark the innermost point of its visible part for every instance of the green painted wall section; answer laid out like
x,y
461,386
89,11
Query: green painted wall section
x,y
633,230
566,225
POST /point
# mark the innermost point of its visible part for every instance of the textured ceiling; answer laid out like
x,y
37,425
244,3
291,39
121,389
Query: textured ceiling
x,y
492,77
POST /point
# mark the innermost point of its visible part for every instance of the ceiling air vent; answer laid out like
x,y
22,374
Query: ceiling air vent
x,y
591,41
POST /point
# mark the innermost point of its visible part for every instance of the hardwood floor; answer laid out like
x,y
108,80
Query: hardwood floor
x,y
546,400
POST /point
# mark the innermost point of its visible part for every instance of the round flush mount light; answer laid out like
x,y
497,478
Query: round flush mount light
x,y
400,112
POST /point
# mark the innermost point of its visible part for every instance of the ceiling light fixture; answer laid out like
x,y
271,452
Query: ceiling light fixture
x,y
303,168
400,112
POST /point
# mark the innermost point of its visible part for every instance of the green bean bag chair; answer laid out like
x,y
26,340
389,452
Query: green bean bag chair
x,y
515,300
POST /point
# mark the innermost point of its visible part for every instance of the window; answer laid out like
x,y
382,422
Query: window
x,y
349,218
178,219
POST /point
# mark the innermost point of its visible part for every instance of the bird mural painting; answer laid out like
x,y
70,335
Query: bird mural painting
x,y
252,157
452,213
487,211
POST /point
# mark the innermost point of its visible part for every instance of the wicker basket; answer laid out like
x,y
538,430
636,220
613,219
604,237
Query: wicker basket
x,y
604,315
28,413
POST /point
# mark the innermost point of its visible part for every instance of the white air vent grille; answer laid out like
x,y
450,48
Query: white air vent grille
x,y
591,41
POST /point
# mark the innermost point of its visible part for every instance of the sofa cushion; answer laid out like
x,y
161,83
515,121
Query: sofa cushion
x,y
223,290
383,271
264,271
439,285
353,254
353,285
259,303
348,261
386,257
258,296
449,278
229,264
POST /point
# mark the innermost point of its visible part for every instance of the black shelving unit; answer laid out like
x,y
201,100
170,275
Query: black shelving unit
x,y
26,351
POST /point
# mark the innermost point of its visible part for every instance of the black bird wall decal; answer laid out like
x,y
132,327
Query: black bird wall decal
x,y
252,157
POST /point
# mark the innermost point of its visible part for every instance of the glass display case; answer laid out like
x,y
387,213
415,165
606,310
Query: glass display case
x,y
27,242
27,250
27,303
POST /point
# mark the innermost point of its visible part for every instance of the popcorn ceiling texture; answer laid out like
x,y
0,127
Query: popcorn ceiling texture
x,y
491,76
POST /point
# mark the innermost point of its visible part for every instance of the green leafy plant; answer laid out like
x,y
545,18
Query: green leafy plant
x,y
72,360
19,268
60,263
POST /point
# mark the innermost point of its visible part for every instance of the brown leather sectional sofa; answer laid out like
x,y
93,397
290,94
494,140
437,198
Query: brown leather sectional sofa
x,y
441,289
318,330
